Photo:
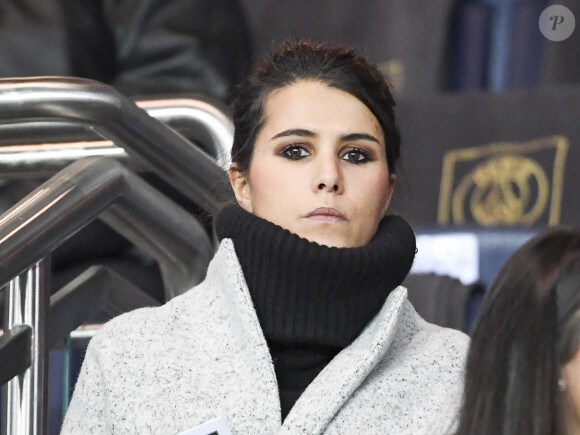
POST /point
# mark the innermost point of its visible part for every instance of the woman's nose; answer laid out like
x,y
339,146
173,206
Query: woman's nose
x,y
328,176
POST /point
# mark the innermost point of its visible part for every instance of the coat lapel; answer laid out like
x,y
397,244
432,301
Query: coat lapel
x,y
329,391
324,397
245,337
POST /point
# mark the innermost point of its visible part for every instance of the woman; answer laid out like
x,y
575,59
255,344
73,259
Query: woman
x,y
299,326
523,367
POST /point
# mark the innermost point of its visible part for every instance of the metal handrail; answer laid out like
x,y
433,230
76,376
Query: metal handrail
x,y
104,110
24,402
198,120
40,222
43,148
54,211
25,161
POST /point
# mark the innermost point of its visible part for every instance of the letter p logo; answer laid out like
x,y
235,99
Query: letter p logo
x,y
556,19
557,23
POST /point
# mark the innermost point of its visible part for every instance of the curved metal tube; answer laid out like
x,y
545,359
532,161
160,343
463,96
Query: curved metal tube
x,y
102,187
101,108
54,142
45,160
198,120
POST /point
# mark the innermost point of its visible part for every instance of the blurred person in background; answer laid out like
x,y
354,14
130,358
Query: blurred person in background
x,y
141,47
523,367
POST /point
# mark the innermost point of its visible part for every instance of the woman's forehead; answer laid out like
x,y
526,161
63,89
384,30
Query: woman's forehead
x,y
313,105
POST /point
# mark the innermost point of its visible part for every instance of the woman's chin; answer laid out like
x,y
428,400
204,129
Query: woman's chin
x,y
332,239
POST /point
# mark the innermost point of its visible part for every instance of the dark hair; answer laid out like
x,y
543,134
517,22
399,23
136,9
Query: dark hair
x,y
523,334
568,300
336,67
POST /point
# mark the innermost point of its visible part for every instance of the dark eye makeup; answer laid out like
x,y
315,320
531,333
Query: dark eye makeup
x,y
353,155
356,156
294,152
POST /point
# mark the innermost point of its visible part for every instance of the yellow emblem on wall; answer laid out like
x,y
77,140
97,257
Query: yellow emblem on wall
x,y
505,183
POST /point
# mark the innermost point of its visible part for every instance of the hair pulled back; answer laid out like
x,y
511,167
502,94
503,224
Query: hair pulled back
x,y
335,66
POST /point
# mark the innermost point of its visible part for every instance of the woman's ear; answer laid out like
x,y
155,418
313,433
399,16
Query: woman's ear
x,y
241,187
391,189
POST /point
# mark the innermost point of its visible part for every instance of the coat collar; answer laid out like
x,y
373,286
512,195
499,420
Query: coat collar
x,y
342,376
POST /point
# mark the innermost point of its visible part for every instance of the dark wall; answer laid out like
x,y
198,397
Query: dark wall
x,y
407,39
491,160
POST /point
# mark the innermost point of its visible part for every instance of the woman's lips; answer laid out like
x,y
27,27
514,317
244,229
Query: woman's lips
x,y
326,214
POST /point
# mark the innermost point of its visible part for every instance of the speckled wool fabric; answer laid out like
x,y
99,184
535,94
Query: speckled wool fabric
x,y
203,354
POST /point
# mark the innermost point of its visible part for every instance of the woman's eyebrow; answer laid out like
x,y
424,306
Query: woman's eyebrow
x,y
295,132
359,136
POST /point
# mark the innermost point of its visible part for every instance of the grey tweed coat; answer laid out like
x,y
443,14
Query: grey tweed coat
x,y
203,355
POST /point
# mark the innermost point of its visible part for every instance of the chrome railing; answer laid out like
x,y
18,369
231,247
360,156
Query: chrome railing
x,y
37,224
25,396
102,109
27,161
40,149
89,118
102,187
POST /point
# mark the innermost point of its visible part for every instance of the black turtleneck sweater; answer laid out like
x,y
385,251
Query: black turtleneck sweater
x,y
313,300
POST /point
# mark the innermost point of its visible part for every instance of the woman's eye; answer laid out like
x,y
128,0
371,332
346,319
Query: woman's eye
x,y
294,152
356,156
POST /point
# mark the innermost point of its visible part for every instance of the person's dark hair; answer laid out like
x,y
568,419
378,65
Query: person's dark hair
x,y
335,66
568,293
527,327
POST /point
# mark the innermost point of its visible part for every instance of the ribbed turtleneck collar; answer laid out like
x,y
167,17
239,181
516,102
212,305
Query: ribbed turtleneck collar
x,y
309,294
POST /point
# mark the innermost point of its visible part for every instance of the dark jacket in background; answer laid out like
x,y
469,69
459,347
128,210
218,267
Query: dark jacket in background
x,y
139,46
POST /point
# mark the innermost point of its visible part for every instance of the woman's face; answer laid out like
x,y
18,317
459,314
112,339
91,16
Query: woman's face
x,y
571,377
319,167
